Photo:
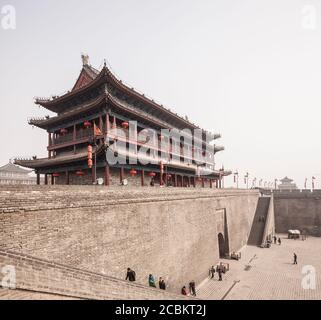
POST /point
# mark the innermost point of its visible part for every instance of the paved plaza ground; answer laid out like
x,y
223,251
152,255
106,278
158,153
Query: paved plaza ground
x,y
265,274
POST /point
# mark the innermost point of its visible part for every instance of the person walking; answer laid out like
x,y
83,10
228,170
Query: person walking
x,y
220,271
192,288
162,284
131,275
212,272
279,241
151,281
295,259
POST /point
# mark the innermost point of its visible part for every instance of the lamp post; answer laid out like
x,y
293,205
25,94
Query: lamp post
x,y
236,178
246,180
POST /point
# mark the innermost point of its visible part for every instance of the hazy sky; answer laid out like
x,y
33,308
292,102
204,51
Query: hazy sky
x,y
249,69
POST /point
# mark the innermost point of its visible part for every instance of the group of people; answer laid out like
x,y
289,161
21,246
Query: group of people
x,y
220,269
277,240
192,289
131,276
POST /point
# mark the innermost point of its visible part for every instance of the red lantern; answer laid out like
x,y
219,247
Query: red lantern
x,y
152,174
56,175
80,173
125,125
133,173
87,124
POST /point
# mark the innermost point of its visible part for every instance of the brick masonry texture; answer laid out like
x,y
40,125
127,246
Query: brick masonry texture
x,y
44,280
169,232
298,210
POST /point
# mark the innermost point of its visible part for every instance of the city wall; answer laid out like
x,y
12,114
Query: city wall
x,y
169,232
298,210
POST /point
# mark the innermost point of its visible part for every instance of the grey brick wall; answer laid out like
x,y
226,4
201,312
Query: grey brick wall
x,y
169,232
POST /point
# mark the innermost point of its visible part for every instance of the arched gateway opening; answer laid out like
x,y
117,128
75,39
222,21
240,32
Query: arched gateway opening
x,y
222,245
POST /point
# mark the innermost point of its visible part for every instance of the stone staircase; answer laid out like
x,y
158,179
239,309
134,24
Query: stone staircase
x,y
42,279
258,226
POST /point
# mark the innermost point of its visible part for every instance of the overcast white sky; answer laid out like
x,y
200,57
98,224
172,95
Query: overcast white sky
x,y
249,69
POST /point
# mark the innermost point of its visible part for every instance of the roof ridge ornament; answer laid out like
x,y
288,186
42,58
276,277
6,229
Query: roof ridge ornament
x,y
85,59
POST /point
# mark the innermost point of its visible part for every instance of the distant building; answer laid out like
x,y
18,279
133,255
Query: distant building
x,y
12,174
287,184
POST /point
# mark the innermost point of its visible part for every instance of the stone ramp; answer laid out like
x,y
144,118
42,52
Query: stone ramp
x,y
45,280
258,226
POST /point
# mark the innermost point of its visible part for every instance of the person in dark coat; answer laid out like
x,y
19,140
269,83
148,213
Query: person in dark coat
x,y
279,241
184,291
192,288
131,275
219,271
212,272
162,284
275,239
295,259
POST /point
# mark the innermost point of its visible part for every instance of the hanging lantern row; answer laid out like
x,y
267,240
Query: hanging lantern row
x,y
133,173
87,124
56,175
152,174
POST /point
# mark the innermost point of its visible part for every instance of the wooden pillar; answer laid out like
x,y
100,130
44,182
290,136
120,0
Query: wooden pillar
x,y
107,124
74,137
121,174
101,129
46,179
38,179
203,183
67,178
161,174
194,182
52,180
107,175
211,183
101,123
93,178
49,144
143,178
174,180
114,123
189,182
